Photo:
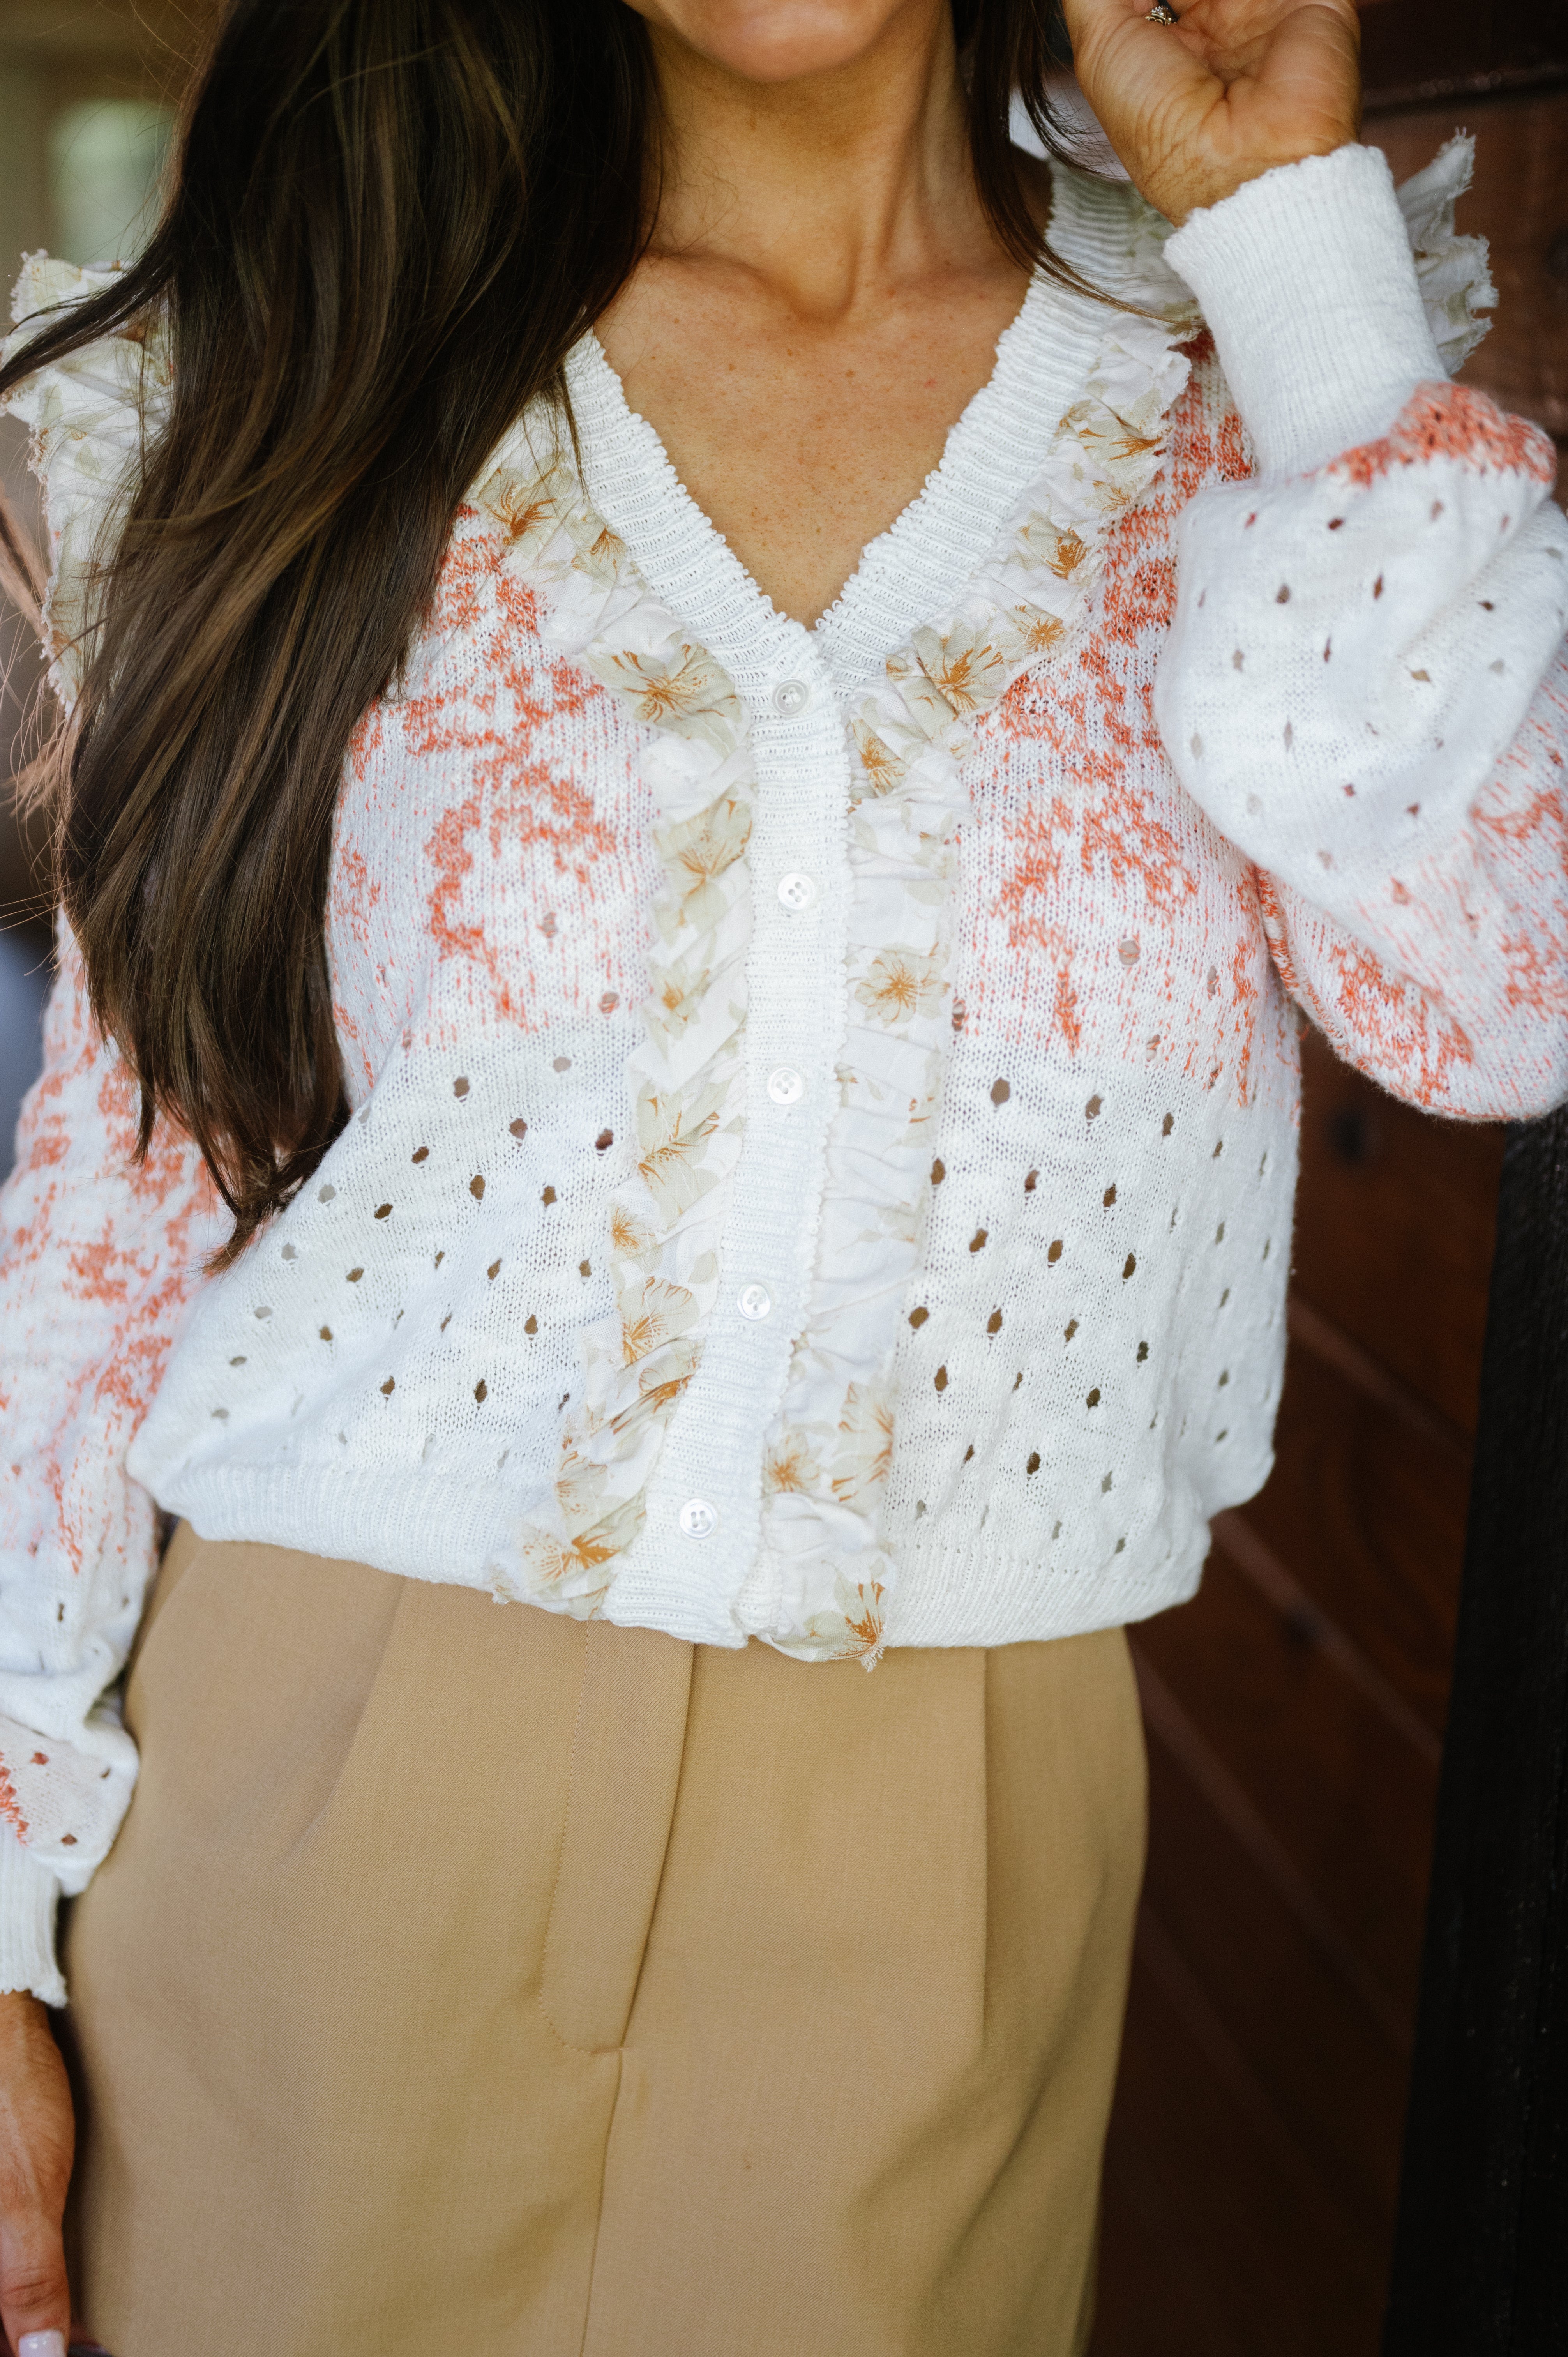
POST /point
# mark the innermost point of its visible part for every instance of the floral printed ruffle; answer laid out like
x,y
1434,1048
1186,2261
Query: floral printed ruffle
x,y
827,1462
688,1071
89,415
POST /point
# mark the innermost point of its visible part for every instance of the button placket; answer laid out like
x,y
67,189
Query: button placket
x,y
712,1457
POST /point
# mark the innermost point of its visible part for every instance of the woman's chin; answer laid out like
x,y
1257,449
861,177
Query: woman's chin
x,y
776,41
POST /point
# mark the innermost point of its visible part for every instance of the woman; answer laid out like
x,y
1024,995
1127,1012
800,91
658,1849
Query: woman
x,y
714,719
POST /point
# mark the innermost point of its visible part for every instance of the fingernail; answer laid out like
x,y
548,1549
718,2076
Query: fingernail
x,y
41,2344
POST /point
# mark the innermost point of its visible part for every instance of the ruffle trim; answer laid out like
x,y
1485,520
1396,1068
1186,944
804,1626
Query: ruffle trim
x,y
688,1071
1454,272
828,1459
90,414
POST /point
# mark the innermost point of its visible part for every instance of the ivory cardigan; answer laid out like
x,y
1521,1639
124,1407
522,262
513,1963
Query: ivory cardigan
x,y
824,1102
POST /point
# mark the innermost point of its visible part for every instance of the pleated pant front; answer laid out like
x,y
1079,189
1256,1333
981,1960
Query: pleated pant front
x,y
468,1979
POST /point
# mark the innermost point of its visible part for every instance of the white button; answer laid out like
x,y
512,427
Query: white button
x,y
786,1085
754,1301
797,891
698,1519
790,695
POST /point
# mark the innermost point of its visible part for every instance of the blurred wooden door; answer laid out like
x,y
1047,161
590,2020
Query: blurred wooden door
x,y
1296,1709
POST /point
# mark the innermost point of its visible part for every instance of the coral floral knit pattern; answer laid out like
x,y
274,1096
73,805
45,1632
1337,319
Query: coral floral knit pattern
x,y
824,1102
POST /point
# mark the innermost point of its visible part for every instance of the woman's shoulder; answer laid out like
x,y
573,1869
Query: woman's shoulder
x,y
89,412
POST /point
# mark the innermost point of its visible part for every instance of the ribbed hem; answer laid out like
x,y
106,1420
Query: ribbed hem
x,y
28,1897
1306,280
963,1593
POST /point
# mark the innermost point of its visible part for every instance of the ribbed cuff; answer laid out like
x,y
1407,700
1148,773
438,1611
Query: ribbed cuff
x,y
1305,278
28,1895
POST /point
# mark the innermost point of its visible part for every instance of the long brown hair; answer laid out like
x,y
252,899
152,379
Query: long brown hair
x,y
388,224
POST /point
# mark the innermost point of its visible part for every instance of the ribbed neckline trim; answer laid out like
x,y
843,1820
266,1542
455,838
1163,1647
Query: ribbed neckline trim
x,y
917,568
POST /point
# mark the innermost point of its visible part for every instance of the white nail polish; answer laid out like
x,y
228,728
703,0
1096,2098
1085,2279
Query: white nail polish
x,y
41,2344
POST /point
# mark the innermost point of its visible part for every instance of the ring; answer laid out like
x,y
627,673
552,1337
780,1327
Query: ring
x,y
1162,13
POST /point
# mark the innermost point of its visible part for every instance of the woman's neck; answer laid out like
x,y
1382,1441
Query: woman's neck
x,y
822,292
833,186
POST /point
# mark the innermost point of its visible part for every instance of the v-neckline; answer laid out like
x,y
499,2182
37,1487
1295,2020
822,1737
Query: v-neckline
x,y
917,568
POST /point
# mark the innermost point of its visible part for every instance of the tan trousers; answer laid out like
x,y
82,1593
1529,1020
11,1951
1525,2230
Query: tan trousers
x,y
468,1979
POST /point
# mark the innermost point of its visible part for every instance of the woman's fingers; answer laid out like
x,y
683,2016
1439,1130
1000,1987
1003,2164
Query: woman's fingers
x,y
1231,90
37,2144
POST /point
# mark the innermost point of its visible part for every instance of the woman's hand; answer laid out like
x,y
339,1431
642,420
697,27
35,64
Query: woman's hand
x,y
37,2140
1196,107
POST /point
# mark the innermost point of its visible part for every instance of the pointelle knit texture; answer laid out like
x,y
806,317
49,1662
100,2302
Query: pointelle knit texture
x,y
824,1102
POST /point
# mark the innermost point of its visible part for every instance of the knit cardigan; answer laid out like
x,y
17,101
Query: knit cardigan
x,y
824,1102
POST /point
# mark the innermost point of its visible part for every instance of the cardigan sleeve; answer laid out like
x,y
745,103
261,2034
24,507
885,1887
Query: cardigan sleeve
x,y
1364,686
99,1255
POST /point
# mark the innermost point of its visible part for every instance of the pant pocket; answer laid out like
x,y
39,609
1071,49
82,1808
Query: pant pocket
x,y
626,1748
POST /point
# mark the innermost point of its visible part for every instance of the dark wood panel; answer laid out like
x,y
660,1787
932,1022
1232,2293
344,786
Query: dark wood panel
x,y
1393,1237
1370,1517
1216,2241
1415,48
1327,2067
1336,1785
